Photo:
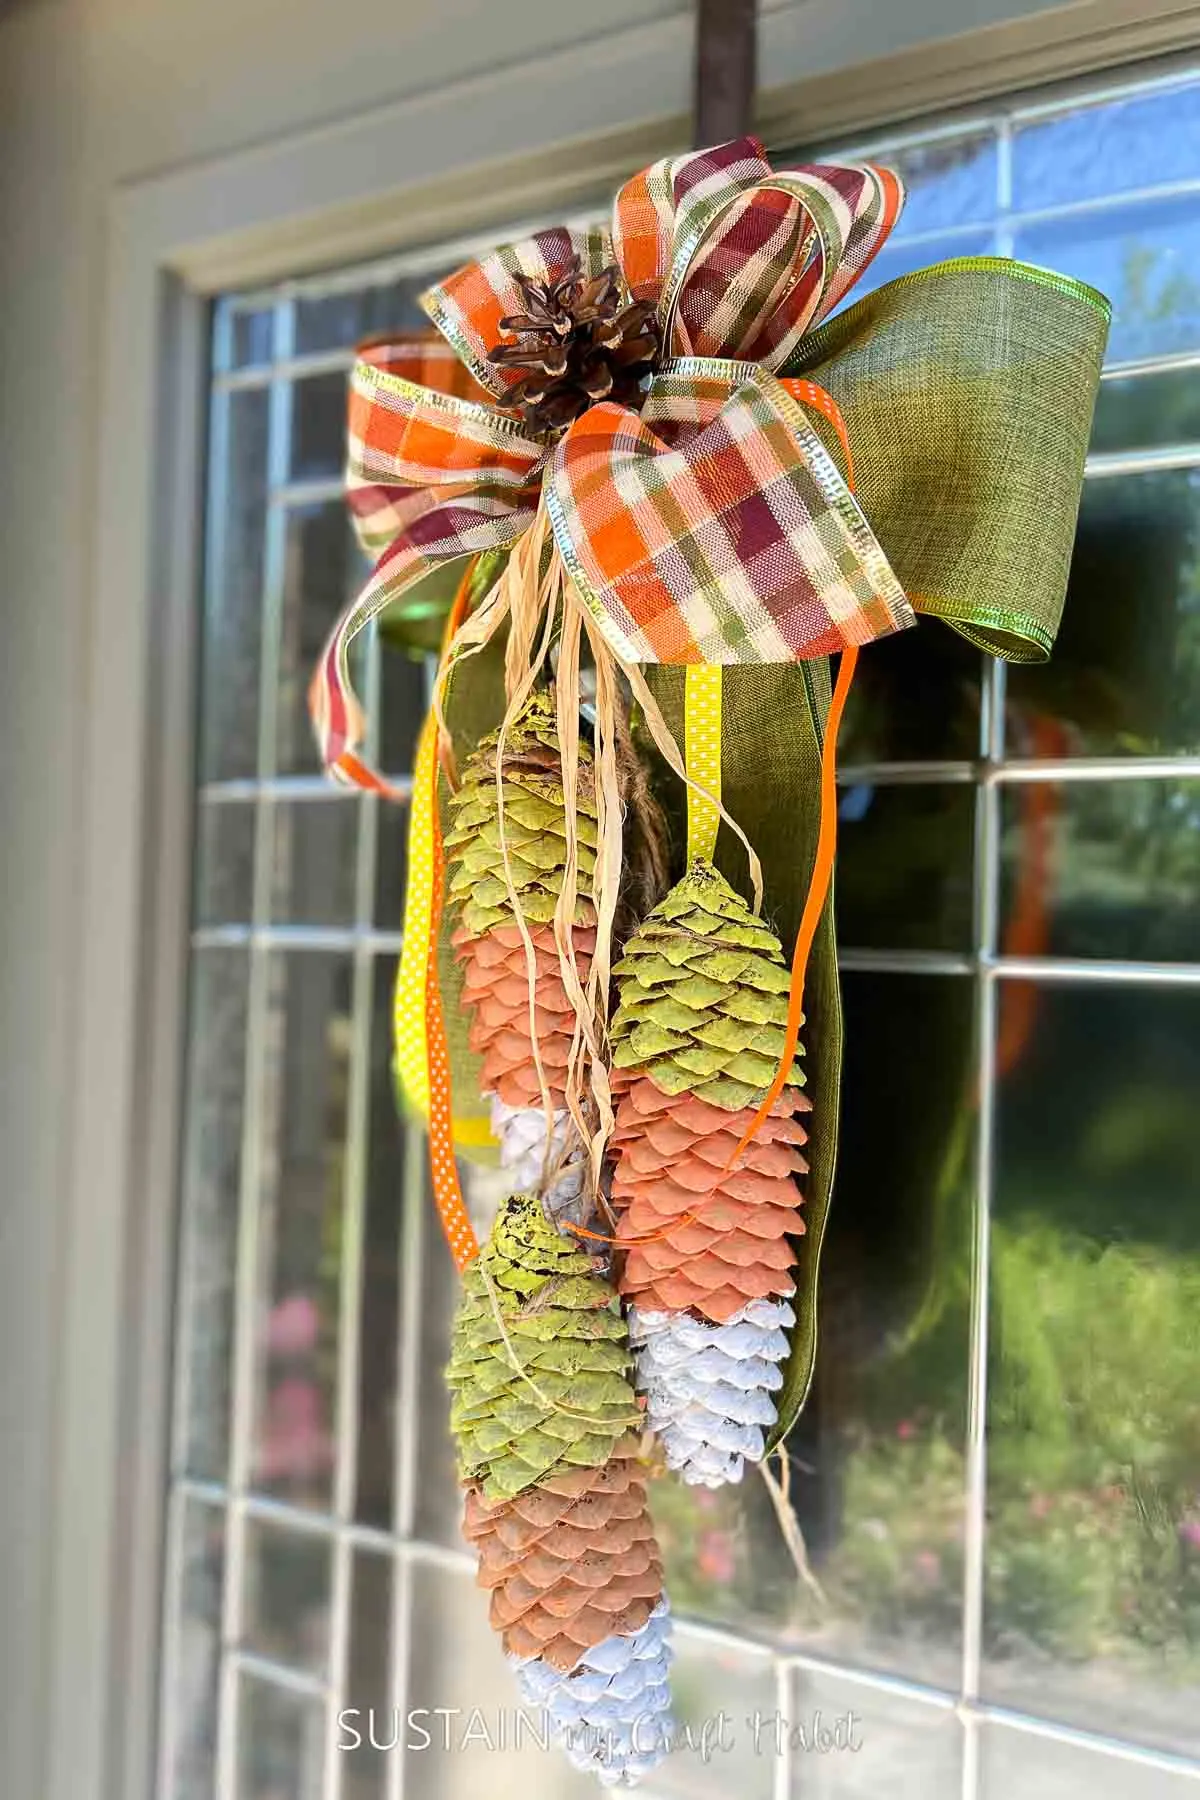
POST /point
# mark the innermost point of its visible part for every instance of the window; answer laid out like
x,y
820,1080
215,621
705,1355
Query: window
x,y
1013,1264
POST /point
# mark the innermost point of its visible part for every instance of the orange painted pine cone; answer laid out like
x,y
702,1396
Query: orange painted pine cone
x,y
571,1562
496,996
698,1236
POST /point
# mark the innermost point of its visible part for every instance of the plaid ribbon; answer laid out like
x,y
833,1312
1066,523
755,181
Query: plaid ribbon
x,y
711,526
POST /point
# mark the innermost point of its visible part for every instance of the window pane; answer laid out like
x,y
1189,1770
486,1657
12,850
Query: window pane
x,y
224,862
318,427
948,181
915,698
232,615
315,863
287,1592
303,1157
1093,1551
1023,1765
905,866
1125,675
281,1743
854,1742
1136,412
381,1323
212,1158
191,1751
1143,141
368,1680
323,568
1103,869
337,321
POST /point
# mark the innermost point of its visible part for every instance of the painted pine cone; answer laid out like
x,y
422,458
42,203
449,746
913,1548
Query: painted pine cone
x,y
570,1562
707,1269
539,1367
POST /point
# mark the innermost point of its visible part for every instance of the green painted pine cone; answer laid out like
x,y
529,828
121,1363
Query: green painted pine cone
x,y
534,826
703,996
539,1368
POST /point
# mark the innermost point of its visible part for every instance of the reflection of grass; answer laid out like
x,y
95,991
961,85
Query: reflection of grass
x,y
1093,1538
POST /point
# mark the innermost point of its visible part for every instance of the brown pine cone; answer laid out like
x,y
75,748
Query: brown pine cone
x,y
718,1238
571,1562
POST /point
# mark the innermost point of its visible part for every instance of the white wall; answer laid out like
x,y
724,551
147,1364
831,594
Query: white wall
x,y
94,93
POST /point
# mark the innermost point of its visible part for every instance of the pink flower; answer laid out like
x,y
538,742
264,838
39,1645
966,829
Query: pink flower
x,y
906,1429
1189,1531
293,1325
715,1556
1041,1505
928,1566
294,1442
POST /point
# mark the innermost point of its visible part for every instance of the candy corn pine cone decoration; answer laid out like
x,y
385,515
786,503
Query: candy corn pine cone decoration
x,y
668,453
545,1419
707,1236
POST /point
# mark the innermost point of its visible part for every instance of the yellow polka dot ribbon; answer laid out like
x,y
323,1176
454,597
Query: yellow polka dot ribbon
x,y
702,756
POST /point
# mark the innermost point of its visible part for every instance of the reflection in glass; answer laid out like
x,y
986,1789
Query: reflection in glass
x,y
1125,675
212,1156
456,1662
877,1455
338,320
1145,256
303,1156
232,636
1093,1548
224,862
380,1323
915,698
315,859
318,438
710,1685
1141,412
323,568
1108,148
1107,869
368,1677
947,181
281,1743
287,1589
197,1653
854,1742
905,863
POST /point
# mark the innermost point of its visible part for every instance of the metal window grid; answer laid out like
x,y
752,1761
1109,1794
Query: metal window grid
x,y
989,773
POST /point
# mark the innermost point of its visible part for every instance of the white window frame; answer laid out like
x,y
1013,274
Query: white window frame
x,y
425,169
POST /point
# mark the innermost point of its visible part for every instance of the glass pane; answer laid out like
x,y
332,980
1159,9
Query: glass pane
x,y
457,1666
1141,412
242,334
212,1155
318,426
197,1652
1093,1551
1144,256
853,1742
303,1152
281,1743
391,866
1023,1765
905,866
314,871
403,703
1144,141
379,1340
232,614
323,568
337,321
724,1704
877,1455
1103,869
287,1591
915,699
949,181
224,862
1125,674
368,1693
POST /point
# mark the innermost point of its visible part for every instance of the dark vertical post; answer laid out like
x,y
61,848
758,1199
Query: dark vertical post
x,y
726,43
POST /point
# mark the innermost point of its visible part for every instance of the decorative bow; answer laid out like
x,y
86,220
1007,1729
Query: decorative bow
x,y
709,525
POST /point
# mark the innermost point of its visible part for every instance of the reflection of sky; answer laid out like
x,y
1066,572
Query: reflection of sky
x,y
1144,255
